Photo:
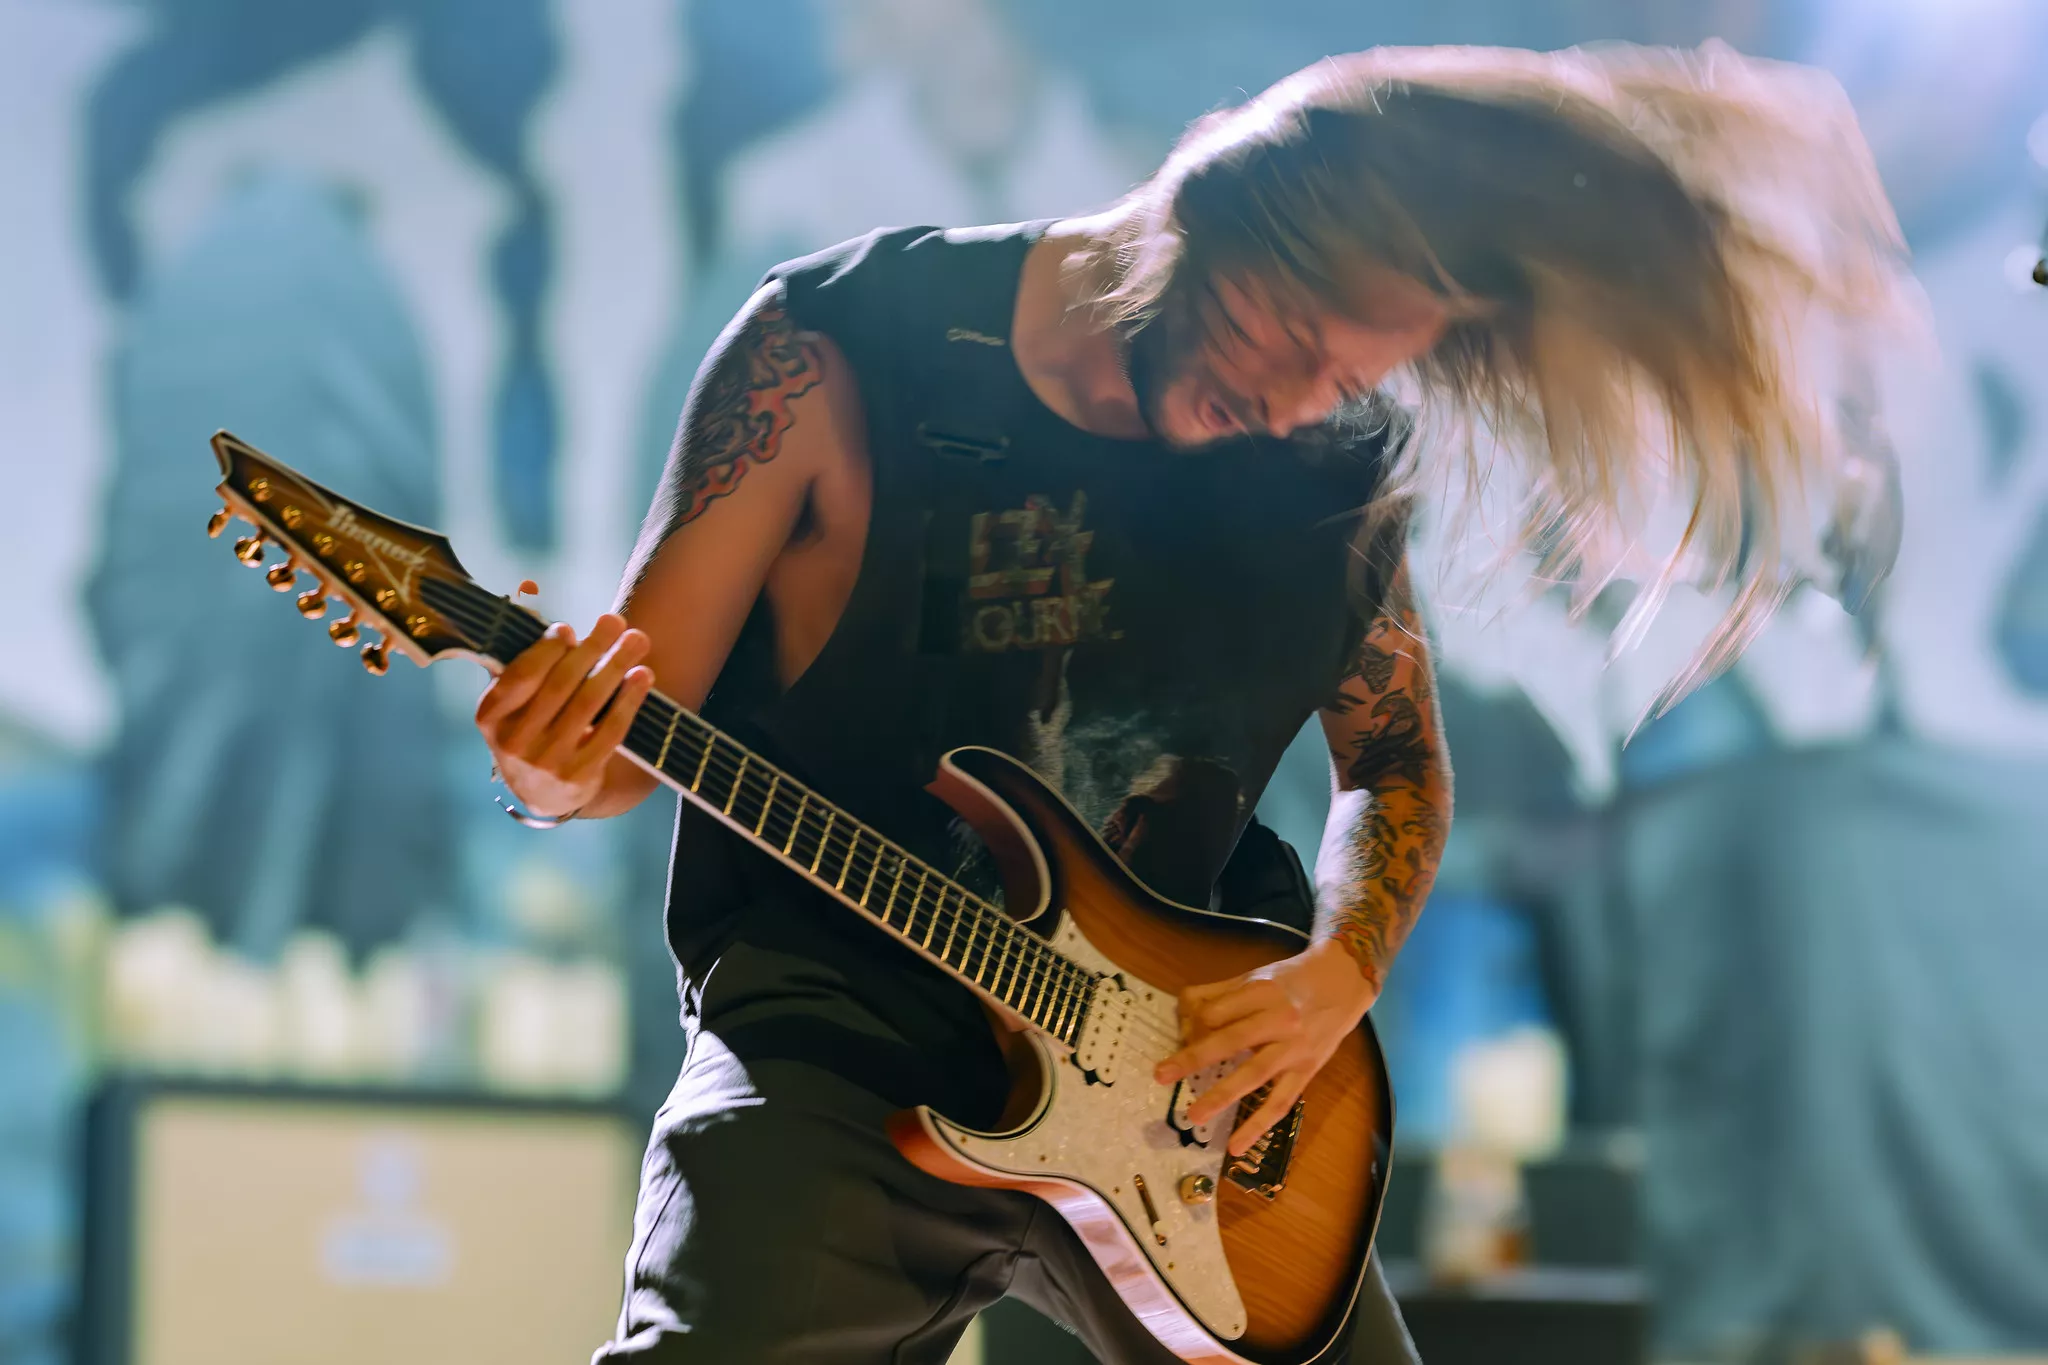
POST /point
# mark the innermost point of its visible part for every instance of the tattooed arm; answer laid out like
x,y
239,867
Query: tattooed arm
x,y
1388,818
1391,806
739,419
766,423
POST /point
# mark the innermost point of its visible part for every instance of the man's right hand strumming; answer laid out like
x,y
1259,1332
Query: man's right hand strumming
x,y
556,716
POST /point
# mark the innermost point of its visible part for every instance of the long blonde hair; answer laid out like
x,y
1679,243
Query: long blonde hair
x,y
1631,245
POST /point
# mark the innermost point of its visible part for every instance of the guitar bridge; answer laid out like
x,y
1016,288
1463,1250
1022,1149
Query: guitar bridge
x,y
1263,1169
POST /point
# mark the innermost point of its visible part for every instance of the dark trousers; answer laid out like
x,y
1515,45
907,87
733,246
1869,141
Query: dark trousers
x,y
777,1223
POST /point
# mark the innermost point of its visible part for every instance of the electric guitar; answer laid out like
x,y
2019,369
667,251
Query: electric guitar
x,y
1253,1260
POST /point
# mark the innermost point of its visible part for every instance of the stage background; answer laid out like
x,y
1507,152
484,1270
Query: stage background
x,y
460,258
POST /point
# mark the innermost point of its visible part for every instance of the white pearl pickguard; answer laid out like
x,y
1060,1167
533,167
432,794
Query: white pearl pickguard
x,y
1107,1137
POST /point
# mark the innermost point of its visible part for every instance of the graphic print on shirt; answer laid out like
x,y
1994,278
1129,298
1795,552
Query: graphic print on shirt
x,y
1028,584
1164,814
1028,594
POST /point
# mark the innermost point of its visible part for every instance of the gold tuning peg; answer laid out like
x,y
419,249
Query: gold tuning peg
x,y
249,549
343,632
284,577
217,523
377,658
313,605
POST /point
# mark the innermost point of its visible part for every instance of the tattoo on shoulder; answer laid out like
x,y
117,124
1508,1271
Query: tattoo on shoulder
x,y
741,410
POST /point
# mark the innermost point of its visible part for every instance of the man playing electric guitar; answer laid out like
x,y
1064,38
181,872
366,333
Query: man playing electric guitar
x,y
1116,496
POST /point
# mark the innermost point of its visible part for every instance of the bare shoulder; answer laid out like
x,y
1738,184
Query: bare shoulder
x,y
769,427
773,413
769,391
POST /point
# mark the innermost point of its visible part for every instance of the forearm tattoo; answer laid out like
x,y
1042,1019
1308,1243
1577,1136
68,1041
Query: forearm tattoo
x,y
1393,752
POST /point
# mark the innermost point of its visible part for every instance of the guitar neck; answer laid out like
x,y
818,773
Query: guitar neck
x,y
840,855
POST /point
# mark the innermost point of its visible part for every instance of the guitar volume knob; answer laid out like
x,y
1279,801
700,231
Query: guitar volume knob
x,y
1197,1189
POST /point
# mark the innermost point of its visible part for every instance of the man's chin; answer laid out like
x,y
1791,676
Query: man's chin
x,y
1155,409
1170,433
1186,442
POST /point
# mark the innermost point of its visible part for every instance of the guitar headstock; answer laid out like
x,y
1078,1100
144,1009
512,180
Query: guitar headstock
x,y
401,581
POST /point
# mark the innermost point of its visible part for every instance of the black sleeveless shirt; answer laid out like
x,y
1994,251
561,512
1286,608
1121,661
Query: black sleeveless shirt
x,y
1149,629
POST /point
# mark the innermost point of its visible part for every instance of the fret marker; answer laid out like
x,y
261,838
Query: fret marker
x,y
916,899
986,949
874,866
846,861
830,816
1035,984
674,719
952,928
996,939
973,937
895,885
797,823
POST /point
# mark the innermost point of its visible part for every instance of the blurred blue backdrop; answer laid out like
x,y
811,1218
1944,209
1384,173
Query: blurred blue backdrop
x,y
460,258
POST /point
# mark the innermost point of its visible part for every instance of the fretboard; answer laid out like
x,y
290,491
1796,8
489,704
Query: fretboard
x,y
964,933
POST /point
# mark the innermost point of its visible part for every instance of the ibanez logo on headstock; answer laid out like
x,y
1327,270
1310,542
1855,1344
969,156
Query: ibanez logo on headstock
x,y
377,568
342,521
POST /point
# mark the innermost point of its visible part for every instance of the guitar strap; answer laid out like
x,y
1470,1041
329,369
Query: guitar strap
x,y
964,414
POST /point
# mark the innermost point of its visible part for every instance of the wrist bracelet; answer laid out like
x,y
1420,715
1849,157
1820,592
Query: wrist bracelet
x,y
530,821
535,821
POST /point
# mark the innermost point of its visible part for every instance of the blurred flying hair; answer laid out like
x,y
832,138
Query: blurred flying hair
x,y
1631,244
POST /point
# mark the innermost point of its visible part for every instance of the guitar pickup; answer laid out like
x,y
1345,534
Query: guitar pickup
x,y
1185,1092
1102,1031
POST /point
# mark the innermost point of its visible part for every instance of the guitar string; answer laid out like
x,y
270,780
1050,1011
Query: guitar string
x,y
1045,985
1147,1024
1058,983
993,933
1075,982
1035,970
981,944
1061,985
1153,1031
997,923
